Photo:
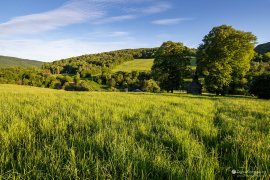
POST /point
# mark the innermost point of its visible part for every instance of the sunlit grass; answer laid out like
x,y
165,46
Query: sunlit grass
x,y
136,65
143,65
49,134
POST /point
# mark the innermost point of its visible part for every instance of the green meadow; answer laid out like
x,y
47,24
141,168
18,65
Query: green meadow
x,y
47,134
143,65
135,65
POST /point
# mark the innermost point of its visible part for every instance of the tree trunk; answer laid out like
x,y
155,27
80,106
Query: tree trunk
x,y
171,90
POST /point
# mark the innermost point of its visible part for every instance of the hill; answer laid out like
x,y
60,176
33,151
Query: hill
x,y
92,64
263,48
72,135
142,65
6,62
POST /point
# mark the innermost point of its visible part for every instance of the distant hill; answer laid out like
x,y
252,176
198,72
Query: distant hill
x,y
263,48
6,62
92,64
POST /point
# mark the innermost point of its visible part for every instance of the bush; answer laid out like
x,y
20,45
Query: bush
x,y
260,86
150,86
55,84
82,86
240,91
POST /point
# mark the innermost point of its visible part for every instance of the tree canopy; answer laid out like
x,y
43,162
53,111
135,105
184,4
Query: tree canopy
x,y
261,86
171,65
224,58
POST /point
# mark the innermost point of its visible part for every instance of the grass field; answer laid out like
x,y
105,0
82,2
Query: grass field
x,y
136,65
46,134
142,65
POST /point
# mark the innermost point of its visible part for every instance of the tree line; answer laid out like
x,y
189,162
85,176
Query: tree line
x,y
92,64
43,78
226,60
226,64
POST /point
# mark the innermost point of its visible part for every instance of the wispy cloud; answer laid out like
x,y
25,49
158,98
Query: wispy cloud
x,y
100,34
115,19
152,9
119,33
134,13
75,11
62,48
13,33
78,11
172,21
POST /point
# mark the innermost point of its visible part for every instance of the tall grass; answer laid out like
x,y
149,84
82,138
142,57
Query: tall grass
x,y
47,134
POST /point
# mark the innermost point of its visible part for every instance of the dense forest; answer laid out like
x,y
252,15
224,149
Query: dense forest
x,y
227,63
263,48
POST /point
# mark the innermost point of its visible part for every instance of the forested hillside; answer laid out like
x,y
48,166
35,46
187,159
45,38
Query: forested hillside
x,y
6,62
263,48
92,64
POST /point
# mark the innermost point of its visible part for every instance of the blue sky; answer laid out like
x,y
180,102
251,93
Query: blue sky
x,y
54,29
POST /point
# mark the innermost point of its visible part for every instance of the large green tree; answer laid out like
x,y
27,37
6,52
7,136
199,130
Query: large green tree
x,y
171,65
224,58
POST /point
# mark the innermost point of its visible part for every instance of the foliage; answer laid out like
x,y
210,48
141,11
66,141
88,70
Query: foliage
x,y
266,57
262,57
122,80
224,58
42,78
171,65
257,69
93,64
150,86
81,86
261,86
72,135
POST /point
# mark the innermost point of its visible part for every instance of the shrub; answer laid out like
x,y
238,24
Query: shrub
x,y
260,86
150,86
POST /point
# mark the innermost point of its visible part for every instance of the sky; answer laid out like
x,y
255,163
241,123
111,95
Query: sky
x,y
50,30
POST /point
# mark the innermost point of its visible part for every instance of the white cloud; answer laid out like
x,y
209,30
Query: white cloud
x,y
158,8
115,19
75,11
153,9
62,48
106,34
119,33
133,13
172,21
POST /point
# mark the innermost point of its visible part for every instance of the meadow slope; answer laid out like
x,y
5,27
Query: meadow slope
x,y
143,65
135,65
49,134
7,62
